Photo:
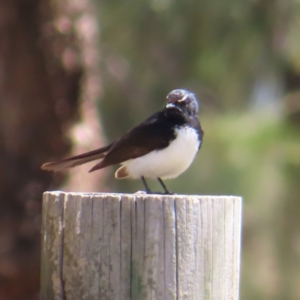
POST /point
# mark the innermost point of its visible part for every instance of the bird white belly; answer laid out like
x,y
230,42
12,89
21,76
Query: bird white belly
x,y
168,162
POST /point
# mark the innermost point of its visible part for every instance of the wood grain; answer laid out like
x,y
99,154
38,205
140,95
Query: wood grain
x,y
137,246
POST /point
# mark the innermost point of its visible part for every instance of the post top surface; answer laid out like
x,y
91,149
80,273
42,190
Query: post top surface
x,y
139,194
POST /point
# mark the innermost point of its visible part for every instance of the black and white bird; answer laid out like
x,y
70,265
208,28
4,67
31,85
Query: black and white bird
x,y
161,147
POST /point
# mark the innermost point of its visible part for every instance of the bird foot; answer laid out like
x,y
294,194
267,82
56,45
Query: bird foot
x,y
154,193
160,193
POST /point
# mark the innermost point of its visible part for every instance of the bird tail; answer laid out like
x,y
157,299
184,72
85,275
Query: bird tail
x,y
76,160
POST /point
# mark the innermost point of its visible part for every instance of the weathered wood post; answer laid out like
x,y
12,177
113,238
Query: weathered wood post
x,y
137,246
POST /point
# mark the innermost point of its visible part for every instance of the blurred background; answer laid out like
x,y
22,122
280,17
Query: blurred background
x,y
76,74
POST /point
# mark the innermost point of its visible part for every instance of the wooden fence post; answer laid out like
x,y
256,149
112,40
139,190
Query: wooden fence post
x,y
138,246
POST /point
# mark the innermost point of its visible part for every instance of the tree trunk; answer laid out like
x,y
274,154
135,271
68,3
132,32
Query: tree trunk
x,y
44,57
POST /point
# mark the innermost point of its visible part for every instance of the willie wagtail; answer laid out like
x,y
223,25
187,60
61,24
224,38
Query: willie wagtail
x,y
162,147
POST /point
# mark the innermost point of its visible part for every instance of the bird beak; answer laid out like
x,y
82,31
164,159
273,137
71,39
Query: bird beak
x,y
169,105
172,105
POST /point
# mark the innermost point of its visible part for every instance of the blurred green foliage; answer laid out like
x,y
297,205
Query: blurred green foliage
x,y
242,59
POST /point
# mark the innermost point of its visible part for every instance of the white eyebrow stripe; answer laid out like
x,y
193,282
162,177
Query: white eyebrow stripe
x,y
184,98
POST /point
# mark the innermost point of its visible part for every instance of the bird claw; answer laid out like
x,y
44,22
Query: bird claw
x,y
160,193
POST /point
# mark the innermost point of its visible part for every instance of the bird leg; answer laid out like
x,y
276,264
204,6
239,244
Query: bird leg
x,y
148,191
164,186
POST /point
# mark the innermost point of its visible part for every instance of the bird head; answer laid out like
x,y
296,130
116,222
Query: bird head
x,y
184,101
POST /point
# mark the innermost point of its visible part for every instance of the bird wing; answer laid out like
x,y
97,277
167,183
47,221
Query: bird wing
x,y
153,134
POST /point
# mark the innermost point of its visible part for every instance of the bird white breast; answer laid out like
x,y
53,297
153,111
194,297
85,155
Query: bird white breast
x,y
168,162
